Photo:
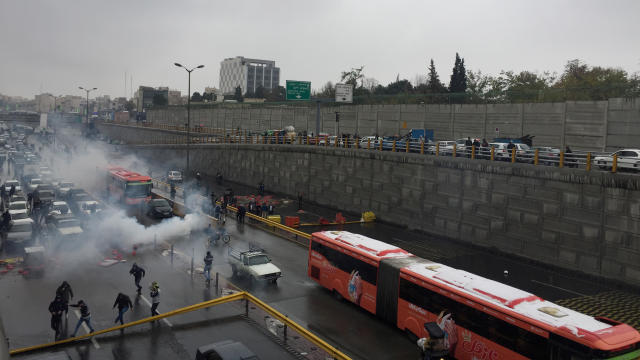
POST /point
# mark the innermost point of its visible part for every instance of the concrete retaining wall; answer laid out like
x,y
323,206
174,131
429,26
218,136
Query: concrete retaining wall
x,y
587,125
570,218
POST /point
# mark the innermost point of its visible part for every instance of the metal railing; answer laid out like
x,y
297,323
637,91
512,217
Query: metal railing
x,y
578,159
287,332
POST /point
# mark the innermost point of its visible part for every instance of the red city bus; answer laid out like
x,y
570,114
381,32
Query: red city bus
x,y
128,187
483,319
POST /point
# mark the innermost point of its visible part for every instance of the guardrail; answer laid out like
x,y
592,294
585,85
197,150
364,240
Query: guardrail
x,y
536,157
287,333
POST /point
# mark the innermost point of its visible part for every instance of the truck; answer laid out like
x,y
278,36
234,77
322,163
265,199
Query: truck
x,y
255,264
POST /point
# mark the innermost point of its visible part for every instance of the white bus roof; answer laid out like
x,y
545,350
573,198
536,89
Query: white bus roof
x,y
375,248
509,298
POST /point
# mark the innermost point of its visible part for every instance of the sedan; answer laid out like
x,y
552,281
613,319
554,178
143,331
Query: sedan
x,y
627,159
159,209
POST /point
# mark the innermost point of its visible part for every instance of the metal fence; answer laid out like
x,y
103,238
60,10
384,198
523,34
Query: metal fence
x,y
536,157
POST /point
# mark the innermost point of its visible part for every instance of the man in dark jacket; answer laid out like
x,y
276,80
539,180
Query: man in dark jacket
x,y
56,307
138,273
65,292
208,261
124,304
85,316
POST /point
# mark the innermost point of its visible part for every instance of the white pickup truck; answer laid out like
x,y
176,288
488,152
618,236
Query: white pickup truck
x,y
255,264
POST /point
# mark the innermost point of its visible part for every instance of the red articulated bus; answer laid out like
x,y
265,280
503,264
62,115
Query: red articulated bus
x,y
483,319
128,187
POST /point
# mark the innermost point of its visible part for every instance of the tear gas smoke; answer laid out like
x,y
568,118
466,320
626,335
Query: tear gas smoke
x,y
86,167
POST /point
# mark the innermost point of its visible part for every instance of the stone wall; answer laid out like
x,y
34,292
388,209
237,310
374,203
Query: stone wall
x,y
570,218
587,125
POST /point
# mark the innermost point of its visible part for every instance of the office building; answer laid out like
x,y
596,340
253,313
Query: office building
x,y
249,74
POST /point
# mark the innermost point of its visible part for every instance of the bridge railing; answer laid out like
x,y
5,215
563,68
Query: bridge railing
x,y
536,157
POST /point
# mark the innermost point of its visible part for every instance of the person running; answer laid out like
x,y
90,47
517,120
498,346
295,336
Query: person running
x,y
56,307
208,261
65,292
124,303
85,316
138,273
155,298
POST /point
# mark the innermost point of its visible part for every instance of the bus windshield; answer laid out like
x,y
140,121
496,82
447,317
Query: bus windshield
x,y
137,189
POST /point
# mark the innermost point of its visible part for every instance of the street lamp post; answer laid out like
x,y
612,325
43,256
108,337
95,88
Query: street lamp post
x,y
88,91
188,110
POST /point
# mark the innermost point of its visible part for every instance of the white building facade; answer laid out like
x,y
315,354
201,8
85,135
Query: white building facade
x,y
249,74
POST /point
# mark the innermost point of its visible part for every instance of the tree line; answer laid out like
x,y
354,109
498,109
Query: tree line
x,y
578,81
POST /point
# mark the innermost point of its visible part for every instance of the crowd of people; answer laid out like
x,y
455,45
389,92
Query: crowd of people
x,y
59,307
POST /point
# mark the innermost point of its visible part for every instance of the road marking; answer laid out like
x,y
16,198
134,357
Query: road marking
x,y
149,303
557,287
86,328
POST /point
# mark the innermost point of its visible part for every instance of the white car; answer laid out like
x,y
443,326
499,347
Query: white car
x,y
33,184
627,159
63,188
502,152
59,208
364,141
174,176
9,183
17,207
20,231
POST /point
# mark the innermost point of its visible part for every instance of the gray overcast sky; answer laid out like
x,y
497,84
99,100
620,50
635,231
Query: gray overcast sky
x,y
57,45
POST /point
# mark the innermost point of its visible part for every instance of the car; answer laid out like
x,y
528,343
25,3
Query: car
x,y
18,206
501,152
17,196
371,141
59,208
159,209
174,176
628,159
19,231
63,188
9,183
19,214
225,350
88,208
33,184
64,227
445,147
548,155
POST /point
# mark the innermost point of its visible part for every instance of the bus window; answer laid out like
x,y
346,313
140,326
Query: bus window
x,y
137,190
346,263
479,322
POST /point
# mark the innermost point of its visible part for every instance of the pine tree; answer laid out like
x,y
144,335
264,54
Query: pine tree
x,y
458,82
433,80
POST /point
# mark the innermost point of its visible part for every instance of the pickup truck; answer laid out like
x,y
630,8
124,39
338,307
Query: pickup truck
x,y
255,264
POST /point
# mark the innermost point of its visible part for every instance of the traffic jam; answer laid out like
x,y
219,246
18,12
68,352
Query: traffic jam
x,y
67,203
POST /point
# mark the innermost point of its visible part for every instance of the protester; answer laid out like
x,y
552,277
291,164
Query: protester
x,y
124,303
66,293
138,273
85,316
155,297
241,214
208,261
56,307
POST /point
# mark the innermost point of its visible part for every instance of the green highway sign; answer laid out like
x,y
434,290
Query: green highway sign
x,y
298,90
